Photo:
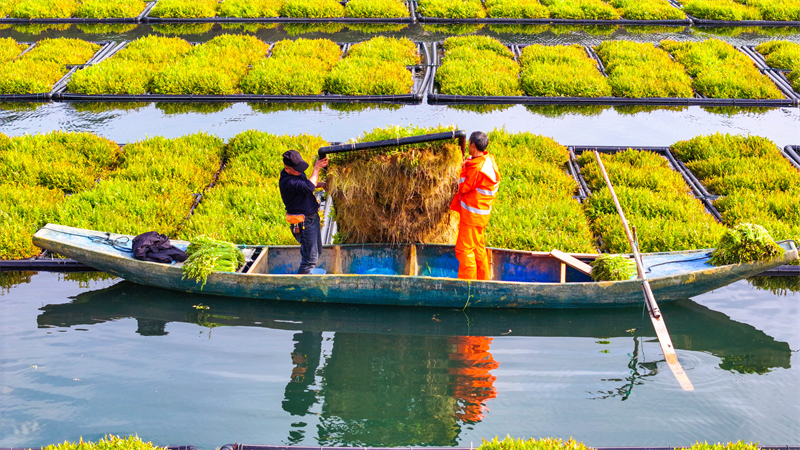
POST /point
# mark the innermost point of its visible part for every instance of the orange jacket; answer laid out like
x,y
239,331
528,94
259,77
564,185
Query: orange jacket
x,y
477,188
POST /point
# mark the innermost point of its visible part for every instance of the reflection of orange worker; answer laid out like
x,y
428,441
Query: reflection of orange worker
x,y
477,188
473,383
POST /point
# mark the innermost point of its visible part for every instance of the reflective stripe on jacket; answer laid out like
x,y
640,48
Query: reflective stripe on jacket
x,y
477,189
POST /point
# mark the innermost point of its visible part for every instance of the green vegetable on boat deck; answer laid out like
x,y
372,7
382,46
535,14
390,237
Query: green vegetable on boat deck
x,y
612,268
743,243
208,255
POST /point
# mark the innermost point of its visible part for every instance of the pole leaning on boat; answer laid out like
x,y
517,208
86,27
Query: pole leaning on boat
x,y
655,314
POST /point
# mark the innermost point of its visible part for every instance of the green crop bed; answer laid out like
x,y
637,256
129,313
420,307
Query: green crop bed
x,y
295,68
375,67
561,71
60,9
522,9
757,184
783,55
656,200
306,9
640,70
581,9
478,65
730,10
10,49
557,9
452,9
245,205
647,10
534,209
721,71
47,61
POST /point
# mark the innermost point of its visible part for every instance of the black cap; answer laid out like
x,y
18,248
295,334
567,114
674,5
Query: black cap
x,y
293,159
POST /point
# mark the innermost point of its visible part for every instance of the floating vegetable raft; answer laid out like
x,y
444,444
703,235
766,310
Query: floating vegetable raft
x,y
708,73
74,11
743,12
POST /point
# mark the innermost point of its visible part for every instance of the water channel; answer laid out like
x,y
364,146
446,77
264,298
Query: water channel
x,y
83,355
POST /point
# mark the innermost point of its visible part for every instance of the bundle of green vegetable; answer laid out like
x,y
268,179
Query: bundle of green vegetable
x,y
743,243
721,71
206,255
561,71
640,70
612,268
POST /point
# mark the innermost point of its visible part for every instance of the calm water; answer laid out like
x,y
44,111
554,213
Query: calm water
x,y
88,358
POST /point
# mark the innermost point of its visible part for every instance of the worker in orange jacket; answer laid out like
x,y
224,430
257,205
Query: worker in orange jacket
x,y
477,189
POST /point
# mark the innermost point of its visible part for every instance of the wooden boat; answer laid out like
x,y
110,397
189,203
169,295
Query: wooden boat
x,y
411,274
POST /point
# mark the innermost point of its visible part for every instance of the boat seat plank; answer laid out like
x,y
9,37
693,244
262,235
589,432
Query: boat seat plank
x,y
572,262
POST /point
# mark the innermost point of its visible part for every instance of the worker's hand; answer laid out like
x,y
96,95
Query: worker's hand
x,y
322,185
321,163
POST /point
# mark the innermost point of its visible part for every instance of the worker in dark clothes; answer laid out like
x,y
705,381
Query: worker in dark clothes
x,y
302,208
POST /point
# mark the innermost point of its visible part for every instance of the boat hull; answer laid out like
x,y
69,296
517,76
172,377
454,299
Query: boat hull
x,y
402,290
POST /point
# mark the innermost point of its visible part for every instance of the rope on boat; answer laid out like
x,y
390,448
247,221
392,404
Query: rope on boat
x,y
121,243
707,255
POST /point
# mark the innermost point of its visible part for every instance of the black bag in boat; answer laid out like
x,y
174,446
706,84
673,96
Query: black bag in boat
x,y
155,247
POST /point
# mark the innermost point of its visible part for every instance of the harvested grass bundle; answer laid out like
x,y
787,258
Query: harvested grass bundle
x,y
37,70
612,268
250,8
745,243
399,195
10,49
376,9
185,9
295,68
720,71
783,55
581,9
312,9
522,9
640,70
452,9
206,255
561,71
478,65
647,10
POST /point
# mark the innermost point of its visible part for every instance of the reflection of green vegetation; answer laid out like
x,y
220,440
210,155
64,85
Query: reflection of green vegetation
x,y
85,279
563,110
100,107
736,31
636,109
376,28
480,109
276,107
776,285
37,28
183,28
10,279
196,107
591,30
453,29
358,107
249,27
745,364
295,29
731,111
651,29
106,28
20,106
519,29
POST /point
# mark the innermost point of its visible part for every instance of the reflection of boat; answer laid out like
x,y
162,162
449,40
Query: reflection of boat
x,y
692,326
412,274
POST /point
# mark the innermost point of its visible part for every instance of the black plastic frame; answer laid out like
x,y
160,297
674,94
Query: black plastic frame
x,y
409,19
792,152
415,97
776,75
434,98
550,21
741,23
137,19
106,49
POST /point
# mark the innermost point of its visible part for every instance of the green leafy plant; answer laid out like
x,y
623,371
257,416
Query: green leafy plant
x,y
42,9
581,9
613,268
743,243
312,9
10,49
109,442
783,55
297,67
522,9
452,9
640,70
376,9
250,8
206,255
185,9
509,443
647,10
561,71
478,66
721,10
47,61
104,9
720,71
375,67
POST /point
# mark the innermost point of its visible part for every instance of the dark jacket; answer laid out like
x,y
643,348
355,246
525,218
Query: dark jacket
x,y
155,247
297,193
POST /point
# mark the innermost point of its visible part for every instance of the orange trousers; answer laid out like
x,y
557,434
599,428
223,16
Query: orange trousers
x,y
471,253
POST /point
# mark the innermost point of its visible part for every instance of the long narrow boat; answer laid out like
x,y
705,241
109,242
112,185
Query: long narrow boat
x,y
411,274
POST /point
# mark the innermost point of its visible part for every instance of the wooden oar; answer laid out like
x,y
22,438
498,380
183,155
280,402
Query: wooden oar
x,y
650,301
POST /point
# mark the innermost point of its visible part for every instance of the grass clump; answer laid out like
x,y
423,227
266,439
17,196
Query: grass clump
x,y
216,67
109,442
206,255
10,49
104,9
647,10
375,67
640,70
581,9
452,9
561,71
756,183
655,199
509,443
37,70
185,9
250,8
776,10
521,9
399,195
132,70
478,66
376,9
245,205
720,71
783,55
22,210
534,209
745,243
721,10
312,9
40,9
613,268
295,68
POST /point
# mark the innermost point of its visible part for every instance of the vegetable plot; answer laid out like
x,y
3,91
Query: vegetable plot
x,y
756,183
569,10
581,10
721,71
10,49
535,209
295,9
375,67
783,55
640,70
294,68
478,66
561,71
744,10
63,9
39,69
656,200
